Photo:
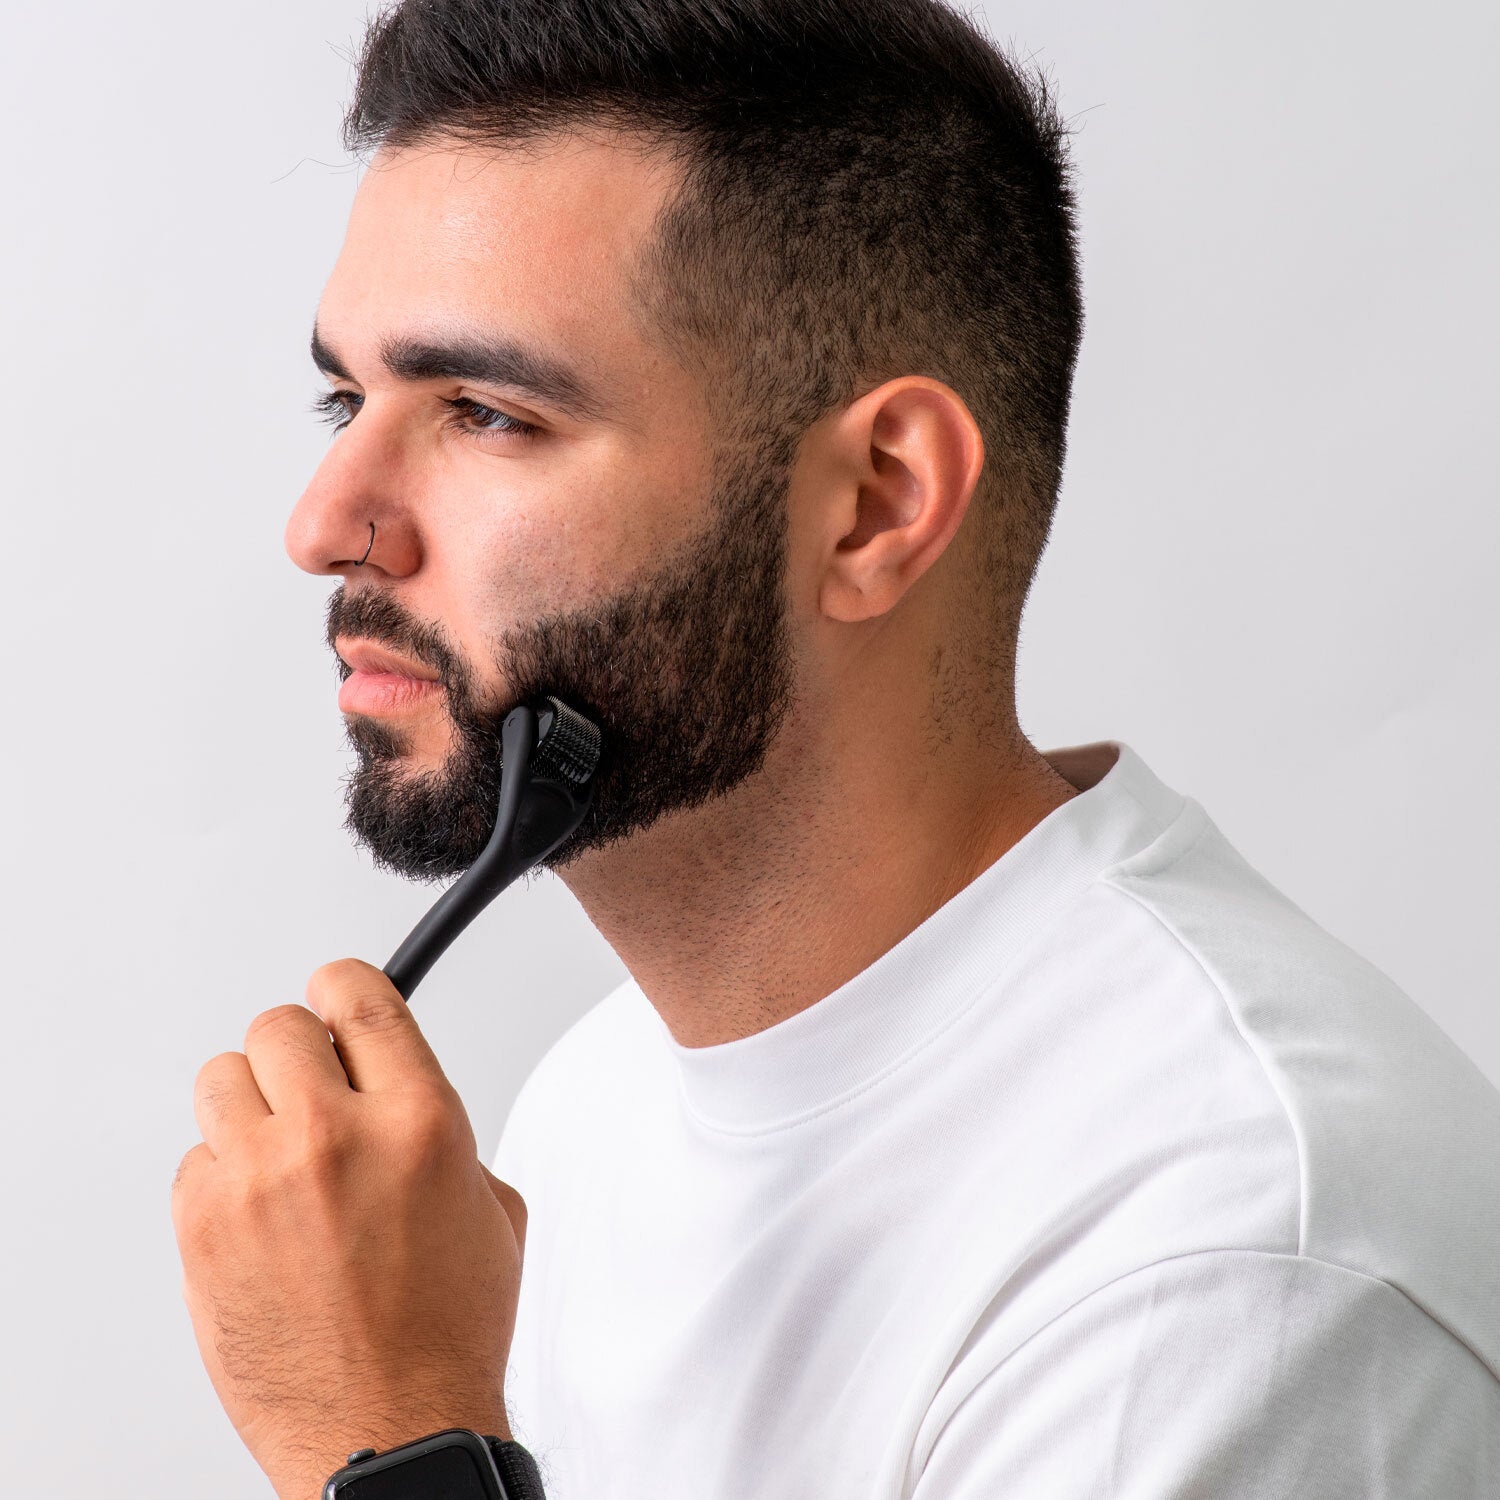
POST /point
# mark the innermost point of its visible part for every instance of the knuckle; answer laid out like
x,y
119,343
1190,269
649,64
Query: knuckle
x,y
279,1020
179,1195
317,1146
219,1064
214,1080
514,1205
337,978
370,1013
514,1201
433,1130
321,1139
340,970
193,1210
354,993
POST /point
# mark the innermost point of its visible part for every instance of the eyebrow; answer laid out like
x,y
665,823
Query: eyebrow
x,y
489,361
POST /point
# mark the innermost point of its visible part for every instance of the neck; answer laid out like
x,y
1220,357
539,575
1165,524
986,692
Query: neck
x,y
734,916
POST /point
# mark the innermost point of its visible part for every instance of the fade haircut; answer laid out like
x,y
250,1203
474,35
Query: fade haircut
x,y
869,188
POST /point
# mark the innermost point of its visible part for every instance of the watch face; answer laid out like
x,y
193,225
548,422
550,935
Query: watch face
x,y
442,1473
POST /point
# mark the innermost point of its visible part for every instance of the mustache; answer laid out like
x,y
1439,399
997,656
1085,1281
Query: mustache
x,y
374,616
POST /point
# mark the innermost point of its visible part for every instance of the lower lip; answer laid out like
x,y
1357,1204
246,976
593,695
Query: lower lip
x,y
384,692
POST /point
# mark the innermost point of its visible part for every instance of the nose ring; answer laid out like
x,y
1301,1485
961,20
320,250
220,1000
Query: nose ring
x,y
361,562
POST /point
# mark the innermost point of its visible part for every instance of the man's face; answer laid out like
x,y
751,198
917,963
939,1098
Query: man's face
x,y
553,512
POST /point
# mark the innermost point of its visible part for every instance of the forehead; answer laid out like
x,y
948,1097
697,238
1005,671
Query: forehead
x,y
537,241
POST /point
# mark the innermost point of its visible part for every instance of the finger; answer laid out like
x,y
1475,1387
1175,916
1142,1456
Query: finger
x,y
188,1168
374,1030
513,1204
291,1057
227,1101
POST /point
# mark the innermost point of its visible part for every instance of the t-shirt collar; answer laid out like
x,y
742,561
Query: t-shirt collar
x,y
816,1059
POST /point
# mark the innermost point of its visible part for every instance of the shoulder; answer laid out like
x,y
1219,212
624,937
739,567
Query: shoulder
x,y
1397,1132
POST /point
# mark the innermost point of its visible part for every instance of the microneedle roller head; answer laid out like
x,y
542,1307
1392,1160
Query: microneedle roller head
x,y
544,795
567,744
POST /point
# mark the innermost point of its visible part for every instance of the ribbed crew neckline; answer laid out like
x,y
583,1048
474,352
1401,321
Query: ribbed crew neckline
x,y
840,1045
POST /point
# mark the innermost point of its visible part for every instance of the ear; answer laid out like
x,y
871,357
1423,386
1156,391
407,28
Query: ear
x,y
906,459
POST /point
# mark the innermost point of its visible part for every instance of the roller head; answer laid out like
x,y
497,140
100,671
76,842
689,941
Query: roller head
x,y
567,744
549,754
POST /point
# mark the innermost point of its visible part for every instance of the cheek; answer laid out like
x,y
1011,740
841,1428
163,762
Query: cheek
x,y
589,539
539,560
520,555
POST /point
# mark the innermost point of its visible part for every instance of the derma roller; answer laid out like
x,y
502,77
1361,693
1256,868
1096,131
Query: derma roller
x,y
548,756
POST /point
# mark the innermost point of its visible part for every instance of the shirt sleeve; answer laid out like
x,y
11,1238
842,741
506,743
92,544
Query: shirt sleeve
x,y
1227,1375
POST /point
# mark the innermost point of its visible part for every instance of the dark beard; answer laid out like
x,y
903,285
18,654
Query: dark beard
x,y
687,670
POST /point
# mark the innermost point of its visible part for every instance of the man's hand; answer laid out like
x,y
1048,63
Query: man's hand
x,y
350,1267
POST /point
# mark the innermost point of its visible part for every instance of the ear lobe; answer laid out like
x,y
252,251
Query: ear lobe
x,y
921,456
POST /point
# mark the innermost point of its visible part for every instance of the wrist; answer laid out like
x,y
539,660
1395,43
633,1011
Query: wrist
x,y
302,1474
455,1464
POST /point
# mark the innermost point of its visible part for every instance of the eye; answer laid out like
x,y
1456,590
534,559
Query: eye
x,y
336,408
339,408
471,416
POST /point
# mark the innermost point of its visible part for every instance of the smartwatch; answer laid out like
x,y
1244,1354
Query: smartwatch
x,y
454,1465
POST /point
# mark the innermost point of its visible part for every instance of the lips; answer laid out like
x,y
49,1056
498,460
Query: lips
x,y
365,656
380,681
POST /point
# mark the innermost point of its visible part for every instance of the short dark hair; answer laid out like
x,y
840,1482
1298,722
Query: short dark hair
x,y
871,188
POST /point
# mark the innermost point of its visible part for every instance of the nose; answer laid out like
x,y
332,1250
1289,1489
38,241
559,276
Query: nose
x,y
348,518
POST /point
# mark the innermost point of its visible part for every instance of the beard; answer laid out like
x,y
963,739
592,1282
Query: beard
x,y
687,670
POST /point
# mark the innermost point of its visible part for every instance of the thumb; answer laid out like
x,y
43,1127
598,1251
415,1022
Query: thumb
x,y
513,1204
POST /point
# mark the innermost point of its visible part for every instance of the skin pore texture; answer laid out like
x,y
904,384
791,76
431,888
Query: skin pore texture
x,y
804,758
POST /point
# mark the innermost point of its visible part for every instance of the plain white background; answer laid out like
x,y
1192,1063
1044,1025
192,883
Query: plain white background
x,y
1273,574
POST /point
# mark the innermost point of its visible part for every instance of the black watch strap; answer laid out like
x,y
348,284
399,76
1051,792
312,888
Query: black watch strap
x,y
518,1471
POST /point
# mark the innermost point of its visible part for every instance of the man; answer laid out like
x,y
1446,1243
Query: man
x,y
975,1122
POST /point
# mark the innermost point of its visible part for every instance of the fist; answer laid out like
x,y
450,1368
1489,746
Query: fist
x,y
350,1267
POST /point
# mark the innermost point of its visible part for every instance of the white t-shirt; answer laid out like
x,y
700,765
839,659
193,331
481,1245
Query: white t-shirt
x,y
1117,1177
